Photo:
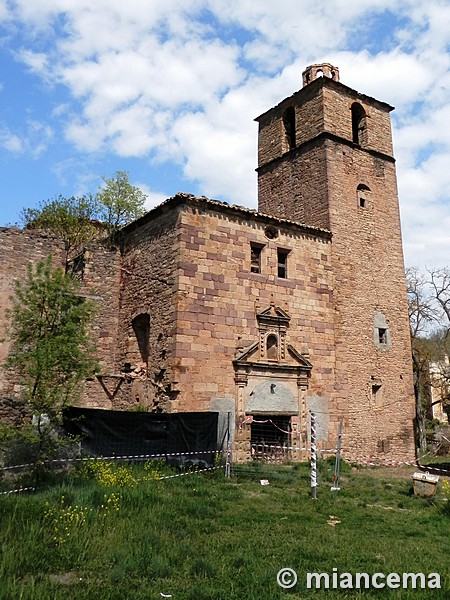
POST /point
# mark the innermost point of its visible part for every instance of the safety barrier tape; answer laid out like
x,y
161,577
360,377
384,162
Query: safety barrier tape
x,y
26,489
374,461
367,461
380,462
267,448
444,472
193,472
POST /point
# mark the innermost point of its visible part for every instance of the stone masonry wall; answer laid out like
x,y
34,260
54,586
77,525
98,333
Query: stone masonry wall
x,y
297,188
370,285
319,180
101,284
148,287
337,101
219,297
309,122
18,249
323,106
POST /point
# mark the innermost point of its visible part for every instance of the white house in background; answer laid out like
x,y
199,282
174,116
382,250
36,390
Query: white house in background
x,y
440,388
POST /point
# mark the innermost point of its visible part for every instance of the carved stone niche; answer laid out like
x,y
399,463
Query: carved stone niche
x,y
273,322
271,376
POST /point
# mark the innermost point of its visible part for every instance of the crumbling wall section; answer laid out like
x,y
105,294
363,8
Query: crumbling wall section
x,y
100,283
18,249
147,313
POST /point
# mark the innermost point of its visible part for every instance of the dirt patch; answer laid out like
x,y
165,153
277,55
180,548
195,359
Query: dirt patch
x,y
69,578
404,472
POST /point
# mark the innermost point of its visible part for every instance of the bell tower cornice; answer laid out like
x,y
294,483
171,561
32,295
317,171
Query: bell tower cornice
x,y
319,70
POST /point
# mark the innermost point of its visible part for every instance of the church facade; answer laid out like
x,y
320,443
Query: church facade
x,y
262,316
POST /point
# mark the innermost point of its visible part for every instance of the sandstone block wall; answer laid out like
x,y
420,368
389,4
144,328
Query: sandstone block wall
x,y
100,283
323,106
319,182
370,292
337,101
18,249
148,287
219,297
297,188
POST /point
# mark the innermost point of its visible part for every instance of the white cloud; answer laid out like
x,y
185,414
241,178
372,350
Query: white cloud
x,y
38,137
4,10
10,142
37,62
33,141
153,198
400,76
229,154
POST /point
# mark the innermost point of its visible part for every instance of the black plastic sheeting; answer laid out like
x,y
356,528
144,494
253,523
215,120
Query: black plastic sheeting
x,y
120,433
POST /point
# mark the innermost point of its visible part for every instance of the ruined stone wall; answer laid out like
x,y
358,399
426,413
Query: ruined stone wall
x,y
148,285
18,249
100,283
219,297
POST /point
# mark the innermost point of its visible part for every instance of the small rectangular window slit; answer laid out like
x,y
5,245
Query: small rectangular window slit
x,y
282,263
382,335
255,258
376,394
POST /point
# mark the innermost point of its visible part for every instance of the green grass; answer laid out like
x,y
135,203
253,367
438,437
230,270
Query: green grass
x,y
204,537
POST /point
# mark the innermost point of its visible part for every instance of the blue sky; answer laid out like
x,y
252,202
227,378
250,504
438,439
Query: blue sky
x,y
168,92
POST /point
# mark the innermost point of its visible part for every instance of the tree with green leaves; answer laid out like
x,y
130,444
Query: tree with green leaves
x,y
120,202
73,219
80,220
50,351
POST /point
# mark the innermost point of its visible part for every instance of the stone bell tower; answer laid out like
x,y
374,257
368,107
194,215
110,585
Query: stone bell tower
x,y
325,159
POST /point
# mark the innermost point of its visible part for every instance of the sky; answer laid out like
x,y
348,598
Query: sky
x,y
168,91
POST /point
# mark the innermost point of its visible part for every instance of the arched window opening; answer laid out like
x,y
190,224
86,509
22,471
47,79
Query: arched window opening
x,y
358,124
363,194
141,329
289,127
272,347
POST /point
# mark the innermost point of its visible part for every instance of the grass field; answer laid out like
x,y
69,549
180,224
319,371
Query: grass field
x,y
204,537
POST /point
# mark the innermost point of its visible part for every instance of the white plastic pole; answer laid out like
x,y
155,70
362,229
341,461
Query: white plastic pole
x,y
228,457
313,457
335,487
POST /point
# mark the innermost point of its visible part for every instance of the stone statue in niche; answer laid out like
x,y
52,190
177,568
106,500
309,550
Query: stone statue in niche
x,y
272,347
